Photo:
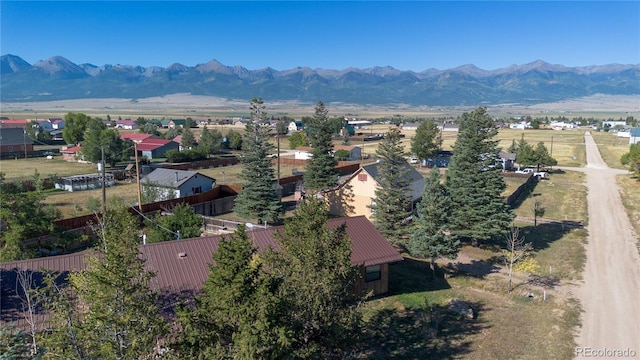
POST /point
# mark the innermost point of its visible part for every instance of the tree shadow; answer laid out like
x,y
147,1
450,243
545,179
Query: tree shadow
x,y
341,201
410,276
431,332
476,268
543,234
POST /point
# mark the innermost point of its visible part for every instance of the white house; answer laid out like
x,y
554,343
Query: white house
x,y
561,126
304,152
170,184
519,126
295,126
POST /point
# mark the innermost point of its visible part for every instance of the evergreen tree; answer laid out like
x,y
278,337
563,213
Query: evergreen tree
x,y
234,140
632,159
543,158
474,183
317,284
525,154
188,139
391,206
113,314
258,198
431,237
320,172
210,141
236,315
427,141
183,223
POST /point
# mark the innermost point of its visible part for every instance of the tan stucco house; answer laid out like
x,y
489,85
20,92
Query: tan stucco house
x,y
354,196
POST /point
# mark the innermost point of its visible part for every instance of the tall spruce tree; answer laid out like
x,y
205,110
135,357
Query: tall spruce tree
x,y
427,141
320,172
474,183
391,205
431,237
317,284
114,311
236,315
258,198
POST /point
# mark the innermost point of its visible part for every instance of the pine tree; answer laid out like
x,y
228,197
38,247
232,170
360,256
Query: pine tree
x,y
431,237
188,139
236,315
474,183
391,207
320,172
317,283
114,310
427,141
258,198
210,141
183,223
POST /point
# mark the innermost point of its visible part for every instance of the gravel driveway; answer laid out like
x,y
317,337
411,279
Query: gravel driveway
x,y
610,293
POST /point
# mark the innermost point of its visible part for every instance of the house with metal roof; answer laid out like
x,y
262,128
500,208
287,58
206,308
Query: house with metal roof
x,y
355,195
156,148
182,266
14,141
634,136
173,184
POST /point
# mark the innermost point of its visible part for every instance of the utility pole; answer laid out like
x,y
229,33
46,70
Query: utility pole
x,y
24,142
104,188
135,150
278,138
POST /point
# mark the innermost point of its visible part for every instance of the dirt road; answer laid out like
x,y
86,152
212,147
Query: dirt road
x,y
610,294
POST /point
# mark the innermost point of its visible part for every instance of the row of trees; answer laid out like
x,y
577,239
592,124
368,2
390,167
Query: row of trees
x,y
466,205
297,302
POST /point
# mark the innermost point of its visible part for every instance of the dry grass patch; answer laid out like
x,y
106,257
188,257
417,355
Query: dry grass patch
x,y
76,203
611,147
568,146
21,169
630,194
563,197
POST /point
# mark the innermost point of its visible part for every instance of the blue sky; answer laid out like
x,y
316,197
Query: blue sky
x,y
332,35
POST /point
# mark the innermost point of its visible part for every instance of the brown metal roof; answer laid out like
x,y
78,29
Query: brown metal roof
x,y
182,266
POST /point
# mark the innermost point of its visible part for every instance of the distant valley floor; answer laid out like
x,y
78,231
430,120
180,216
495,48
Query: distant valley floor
x,y
187,105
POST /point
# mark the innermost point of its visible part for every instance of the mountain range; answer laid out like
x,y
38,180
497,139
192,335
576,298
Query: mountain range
x,y
57,78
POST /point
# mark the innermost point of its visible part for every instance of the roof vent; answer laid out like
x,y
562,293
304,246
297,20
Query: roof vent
x,y
182,255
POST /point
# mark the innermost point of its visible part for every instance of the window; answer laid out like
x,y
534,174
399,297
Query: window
x,y
362,177
372,273
196,190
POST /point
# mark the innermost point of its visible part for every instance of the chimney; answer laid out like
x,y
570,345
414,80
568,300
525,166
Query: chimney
x,y
176,176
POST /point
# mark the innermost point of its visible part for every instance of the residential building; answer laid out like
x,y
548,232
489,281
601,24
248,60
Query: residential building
x,y
154,148
634,136
172,184
182,266
137,137
355,195
72,153
304,152
14,141
126,124
296,125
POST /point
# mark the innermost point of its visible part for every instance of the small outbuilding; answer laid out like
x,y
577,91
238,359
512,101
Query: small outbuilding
x,y
172,184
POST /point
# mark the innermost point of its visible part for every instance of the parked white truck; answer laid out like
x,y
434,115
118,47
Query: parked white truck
x,y
538,174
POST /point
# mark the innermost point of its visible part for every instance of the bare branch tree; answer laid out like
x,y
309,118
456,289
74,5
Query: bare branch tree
x,y
30,302
516,249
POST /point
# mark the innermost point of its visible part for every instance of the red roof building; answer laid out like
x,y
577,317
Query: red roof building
x,y
182,266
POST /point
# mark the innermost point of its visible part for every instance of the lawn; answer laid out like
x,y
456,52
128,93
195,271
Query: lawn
x,y
21,169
